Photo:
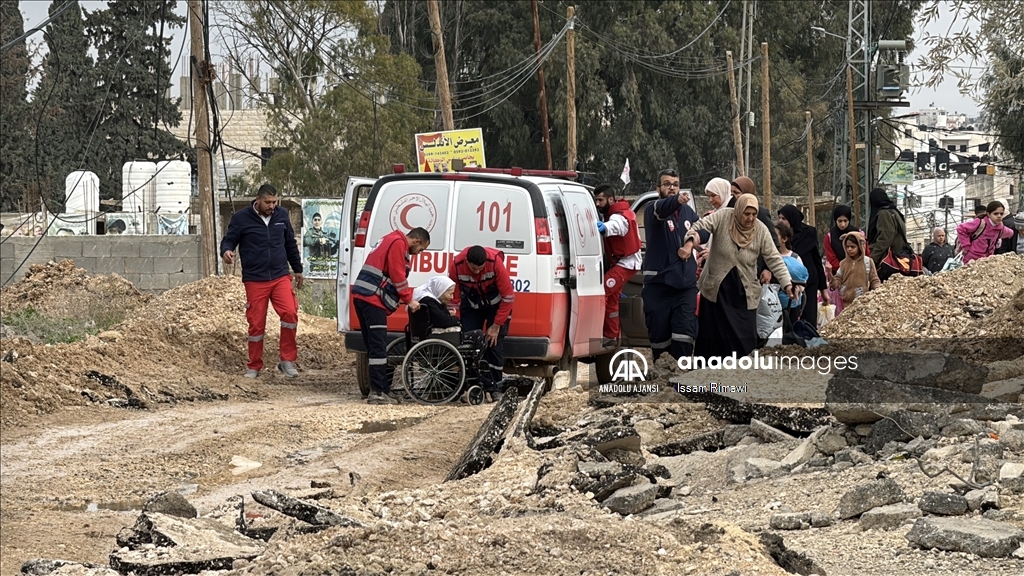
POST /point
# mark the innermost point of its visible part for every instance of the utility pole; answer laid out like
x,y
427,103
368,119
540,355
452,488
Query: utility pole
x,y
201,74
736,137
570,96
810,169
543,92
749,59
853,145
440,65
766,129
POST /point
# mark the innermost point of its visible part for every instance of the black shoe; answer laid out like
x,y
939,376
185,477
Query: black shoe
x,y
378,398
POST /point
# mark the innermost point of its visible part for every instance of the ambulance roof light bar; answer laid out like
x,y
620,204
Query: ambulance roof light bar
x,y
517,171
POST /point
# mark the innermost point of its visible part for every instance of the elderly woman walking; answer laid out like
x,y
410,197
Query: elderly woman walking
x,y
729,287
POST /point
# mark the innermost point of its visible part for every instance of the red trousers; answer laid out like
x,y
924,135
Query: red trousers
x,y
614,281
279,293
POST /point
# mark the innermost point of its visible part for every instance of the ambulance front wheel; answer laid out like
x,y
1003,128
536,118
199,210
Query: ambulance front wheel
x,y
363,373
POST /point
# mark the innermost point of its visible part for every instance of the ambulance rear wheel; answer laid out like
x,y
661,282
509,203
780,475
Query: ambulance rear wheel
x,y
363,373
603,367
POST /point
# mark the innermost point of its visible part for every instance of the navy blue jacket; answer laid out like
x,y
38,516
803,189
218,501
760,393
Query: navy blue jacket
x,y
265,250
666,222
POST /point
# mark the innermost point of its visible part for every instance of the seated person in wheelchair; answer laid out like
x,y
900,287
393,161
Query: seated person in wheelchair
x,y
434,297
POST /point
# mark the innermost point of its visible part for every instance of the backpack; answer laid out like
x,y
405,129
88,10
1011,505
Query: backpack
x,y
974,235
904,262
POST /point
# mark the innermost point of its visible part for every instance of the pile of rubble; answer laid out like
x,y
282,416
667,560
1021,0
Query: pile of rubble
x,y
61,290
946,305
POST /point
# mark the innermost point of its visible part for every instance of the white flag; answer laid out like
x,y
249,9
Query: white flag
x,y
625,173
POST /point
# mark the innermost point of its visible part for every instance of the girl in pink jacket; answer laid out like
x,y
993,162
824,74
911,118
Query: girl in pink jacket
x,y
979,237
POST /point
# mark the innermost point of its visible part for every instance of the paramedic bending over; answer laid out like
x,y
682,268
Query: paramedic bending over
x,y
484,294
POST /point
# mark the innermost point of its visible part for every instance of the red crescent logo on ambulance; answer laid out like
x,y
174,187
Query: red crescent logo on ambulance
x,y
412,211
579,225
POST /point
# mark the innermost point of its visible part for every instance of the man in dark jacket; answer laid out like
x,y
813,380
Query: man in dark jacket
x,y
670,283
265,239
935,254
743,185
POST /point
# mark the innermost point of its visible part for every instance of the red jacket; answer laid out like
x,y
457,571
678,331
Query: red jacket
x,y
620,247
384,279
491,287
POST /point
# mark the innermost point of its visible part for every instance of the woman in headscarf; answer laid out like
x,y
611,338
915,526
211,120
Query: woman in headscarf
x,y
856,274
805,244
729,287
887,228
718,192
434,296
743,185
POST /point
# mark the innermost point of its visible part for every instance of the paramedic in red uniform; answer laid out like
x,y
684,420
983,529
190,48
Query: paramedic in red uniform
x,y
265,239
484,294
622,244
381,285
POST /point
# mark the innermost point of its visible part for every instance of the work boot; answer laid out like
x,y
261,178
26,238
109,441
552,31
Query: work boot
x,y
496,396
394,395
252,374
379,398
288,369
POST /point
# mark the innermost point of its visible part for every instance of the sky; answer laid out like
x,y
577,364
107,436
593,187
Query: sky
x,y
945,95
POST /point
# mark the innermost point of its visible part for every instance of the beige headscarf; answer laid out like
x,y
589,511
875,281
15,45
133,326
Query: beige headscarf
x,y
740,235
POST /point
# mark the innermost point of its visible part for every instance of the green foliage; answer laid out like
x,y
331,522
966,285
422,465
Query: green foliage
x,y
65,105
132,76
15,139
360,122
1004,99
35,325
651,81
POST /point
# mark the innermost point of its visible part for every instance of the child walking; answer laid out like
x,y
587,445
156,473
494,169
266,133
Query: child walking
x,y
857,273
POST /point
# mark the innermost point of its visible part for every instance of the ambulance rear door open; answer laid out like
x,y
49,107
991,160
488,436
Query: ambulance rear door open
x,y
585,280
356,193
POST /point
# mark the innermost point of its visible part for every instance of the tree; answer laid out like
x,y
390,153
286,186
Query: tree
x,y
1004,99
133,75
15,139
343,103
64,105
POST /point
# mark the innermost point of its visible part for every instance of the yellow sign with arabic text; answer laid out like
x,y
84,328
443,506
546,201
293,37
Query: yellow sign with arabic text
x,y
436,150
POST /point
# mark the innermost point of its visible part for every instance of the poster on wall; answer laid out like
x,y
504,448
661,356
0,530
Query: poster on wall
x,y
23,224
172,224
71,225
321,231
897,172
436,150
125,224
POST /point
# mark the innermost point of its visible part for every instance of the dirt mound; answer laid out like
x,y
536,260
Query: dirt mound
x,y
186,344
61,290
947,305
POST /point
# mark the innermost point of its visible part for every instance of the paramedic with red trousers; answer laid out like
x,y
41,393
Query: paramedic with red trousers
x,y
265,240
484,295
622,244
381,285
670,281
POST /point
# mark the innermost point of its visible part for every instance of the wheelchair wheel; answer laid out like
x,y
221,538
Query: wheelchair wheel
x,y
475,395
433,372
396,355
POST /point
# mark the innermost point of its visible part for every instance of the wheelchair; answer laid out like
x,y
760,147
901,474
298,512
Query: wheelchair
x,y
433,366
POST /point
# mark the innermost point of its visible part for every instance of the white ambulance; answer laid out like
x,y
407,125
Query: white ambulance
x,y
545,224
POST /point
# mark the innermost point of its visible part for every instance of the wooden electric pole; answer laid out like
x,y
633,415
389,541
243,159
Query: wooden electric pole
x,y
543,92
737,137
440,65
853,146
766,129
570,93
200,72
810,169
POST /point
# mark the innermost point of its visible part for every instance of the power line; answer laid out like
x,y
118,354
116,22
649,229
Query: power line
x,y
41,25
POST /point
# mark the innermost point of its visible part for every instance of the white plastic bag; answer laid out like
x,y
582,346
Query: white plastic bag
x,y
775,339
769,311
826,314
953,263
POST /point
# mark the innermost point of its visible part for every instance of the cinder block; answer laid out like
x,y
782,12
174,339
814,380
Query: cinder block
x,y
7,250
96,247
192,266
153,282
124,247
110,266
154,248
91,265
167,265
138,265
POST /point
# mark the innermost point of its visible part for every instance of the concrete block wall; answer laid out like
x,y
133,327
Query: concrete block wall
x,y
153,263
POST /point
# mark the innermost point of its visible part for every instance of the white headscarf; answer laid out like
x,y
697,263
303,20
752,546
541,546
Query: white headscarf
x,y
434,288
720,187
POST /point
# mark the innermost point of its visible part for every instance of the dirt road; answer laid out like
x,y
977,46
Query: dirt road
x,y
72,480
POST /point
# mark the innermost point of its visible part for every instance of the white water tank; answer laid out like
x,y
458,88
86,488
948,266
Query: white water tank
x,y
232,168
82,193
138,186
173,187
